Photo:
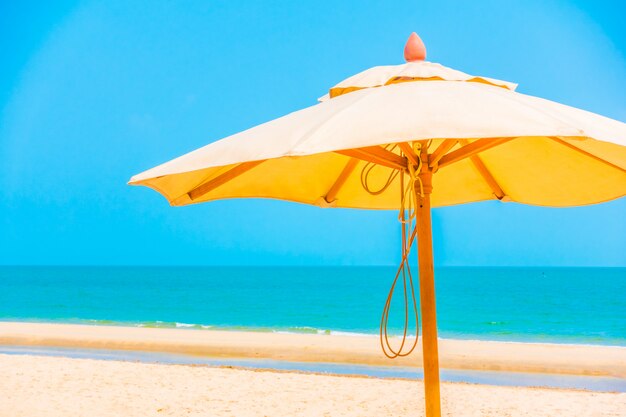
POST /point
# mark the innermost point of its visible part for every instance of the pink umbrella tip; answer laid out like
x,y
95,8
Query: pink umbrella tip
x,y
414,50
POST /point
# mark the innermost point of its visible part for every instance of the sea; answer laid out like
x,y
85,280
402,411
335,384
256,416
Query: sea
x,y
548,305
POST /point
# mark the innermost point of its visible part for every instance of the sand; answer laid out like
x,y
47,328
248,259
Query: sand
x,y
454,354
33,386
55,386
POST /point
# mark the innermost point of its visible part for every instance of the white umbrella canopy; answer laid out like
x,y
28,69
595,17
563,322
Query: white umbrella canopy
x,y
411,137
410,71
548,153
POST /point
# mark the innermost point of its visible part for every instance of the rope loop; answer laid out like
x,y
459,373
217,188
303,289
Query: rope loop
x,y
408,197
406,217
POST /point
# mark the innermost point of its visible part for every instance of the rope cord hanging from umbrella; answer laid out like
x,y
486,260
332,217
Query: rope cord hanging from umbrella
x,y
406,216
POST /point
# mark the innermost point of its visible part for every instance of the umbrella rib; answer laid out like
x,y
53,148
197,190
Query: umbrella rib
x,y
341,180
409,152
590,155
440,152
473,148
222,179
377,155
487,176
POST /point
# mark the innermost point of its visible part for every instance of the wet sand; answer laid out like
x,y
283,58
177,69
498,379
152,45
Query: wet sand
x,y
454,354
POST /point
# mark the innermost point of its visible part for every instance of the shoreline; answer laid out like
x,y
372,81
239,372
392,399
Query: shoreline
x,y
320,332
455,354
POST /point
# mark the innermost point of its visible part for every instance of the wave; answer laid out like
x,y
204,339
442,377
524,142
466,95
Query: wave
x,y
158,324
179,325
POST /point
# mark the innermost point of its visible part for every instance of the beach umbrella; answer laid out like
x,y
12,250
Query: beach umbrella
x,y
411,137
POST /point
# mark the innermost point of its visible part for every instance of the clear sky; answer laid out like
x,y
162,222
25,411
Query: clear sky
x,y
92,92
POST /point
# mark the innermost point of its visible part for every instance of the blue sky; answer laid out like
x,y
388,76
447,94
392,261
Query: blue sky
x,y
92,92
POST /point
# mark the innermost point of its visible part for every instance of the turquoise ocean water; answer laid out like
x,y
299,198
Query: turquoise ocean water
x,y
557,305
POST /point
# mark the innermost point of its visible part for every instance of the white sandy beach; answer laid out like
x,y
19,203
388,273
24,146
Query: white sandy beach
x,y
34,386
57,386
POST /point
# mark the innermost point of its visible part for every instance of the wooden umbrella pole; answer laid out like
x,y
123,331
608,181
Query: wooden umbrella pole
x,y
427,289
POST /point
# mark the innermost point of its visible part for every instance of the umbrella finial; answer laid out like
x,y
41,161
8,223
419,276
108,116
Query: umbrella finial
x,y
414,50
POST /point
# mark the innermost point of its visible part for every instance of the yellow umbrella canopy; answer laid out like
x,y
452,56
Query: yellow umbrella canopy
x,y
410,137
